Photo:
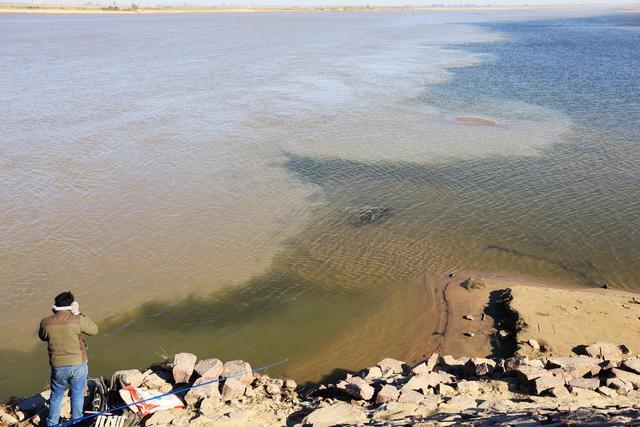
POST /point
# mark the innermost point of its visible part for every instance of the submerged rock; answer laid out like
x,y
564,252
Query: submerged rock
x,y
369,215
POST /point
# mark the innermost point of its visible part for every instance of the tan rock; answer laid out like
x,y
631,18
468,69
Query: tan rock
x,y
423,382
529,373
392,366
432,361
154,381
410,396
446,390
420,368
273,389
458,403
290,385
609,392
632,365
132,377
388,393
204,391
621,386
560,392
210,407
183,364
239,370
160,418
546,382
233,388
627,376
586,383
210,368
359,388
468,387
338,413
604,350
479,366
7,419
373,373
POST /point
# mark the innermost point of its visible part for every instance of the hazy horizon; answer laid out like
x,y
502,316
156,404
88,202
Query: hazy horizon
x,y
320,3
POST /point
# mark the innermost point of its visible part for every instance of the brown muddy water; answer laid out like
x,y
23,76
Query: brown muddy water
x,y
268,186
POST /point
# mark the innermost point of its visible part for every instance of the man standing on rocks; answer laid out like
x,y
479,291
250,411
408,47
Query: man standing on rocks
x,y
67,354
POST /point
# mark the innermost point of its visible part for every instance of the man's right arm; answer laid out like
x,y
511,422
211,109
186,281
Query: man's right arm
x,y
42,333
88,326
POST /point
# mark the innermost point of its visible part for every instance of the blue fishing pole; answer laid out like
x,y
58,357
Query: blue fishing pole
x,y
182,390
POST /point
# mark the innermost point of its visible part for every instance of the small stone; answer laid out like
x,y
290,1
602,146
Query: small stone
x,y
632,365
194,395
273,389
210,368
604,350
160,418
546,382
458,403
467,317
468,387
373,373
479,366
233,389
154,381
392,366
7,419
358,388
529,373
410,396
183,364
388,393
210,407
290,385
239,370
534,344
621,386
473,283
560,392
627,376
423,382
432,361
446,390
587,383
420,369
132,377
609,392
469,334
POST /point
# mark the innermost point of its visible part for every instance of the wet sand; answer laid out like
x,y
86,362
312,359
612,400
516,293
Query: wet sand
x,y
560,317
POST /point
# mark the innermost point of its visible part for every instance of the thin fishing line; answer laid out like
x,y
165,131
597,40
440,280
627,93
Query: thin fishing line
x,y
182,390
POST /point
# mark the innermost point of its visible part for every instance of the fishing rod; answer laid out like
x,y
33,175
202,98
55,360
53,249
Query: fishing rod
x,y
179,391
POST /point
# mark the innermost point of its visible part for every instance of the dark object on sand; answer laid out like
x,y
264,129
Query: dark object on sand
x,y
473,283
372,214
451,275
605,286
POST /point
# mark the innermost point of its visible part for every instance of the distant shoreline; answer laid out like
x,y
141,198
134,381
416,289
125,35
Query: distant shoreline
x,y
62,9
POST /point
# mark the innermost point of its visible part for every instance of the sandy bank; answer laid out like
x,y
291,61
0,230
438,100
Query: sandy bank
x,y
560,317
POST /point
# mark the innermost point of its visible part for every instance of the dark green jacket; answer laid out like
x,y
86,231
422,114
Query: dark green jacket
x,y
63,334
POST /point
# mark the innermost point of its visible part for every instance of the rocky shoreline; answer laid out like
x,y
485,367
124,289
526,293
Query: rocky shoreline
x,y
599,387
539,367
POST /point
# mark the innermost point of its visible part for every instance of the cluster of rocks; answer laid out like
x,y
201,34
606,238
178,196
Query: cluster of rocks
x,y
601,386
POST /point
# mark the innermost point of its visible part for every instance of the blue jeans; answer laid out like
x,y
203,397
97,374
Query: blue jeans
x,y
74,377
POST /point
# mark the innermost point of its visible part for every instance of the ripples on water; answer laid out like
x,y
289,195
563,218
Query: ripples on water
x,y
158,155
